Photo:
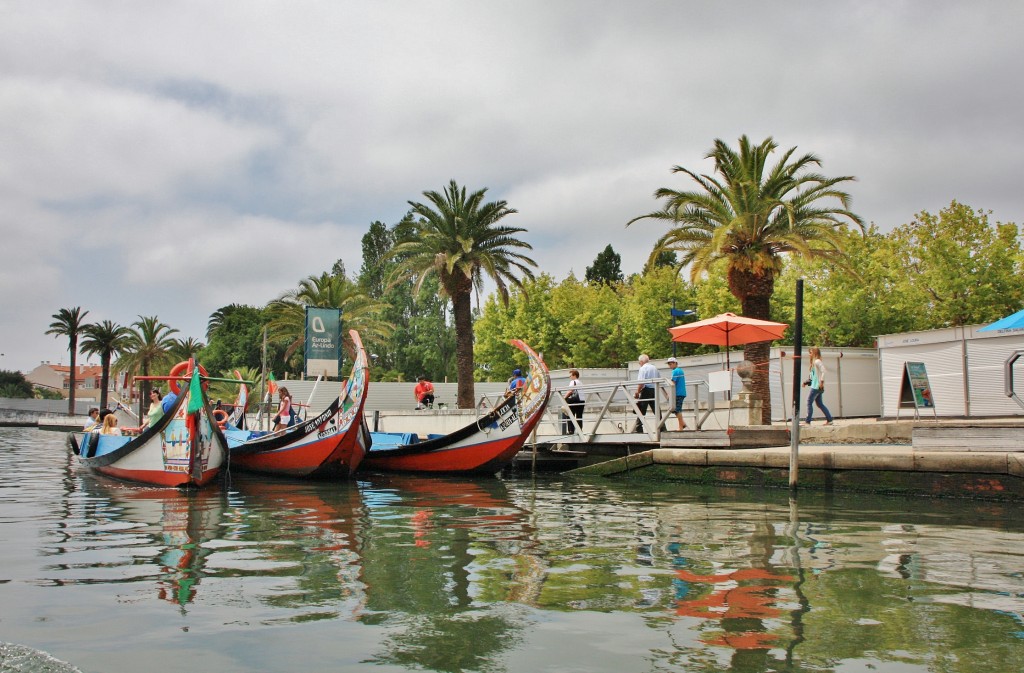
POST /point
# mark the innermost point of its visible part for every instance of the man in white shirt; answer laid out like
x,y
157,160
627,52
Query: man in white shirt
x,y
645,391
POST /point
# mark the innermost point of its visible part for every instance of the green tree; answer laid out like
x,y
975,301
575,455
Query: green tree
x,y
147,348
69,322
966,270
185,349
459,239
423,341
646,311
607,267
752,216
15,385
105,339
234,339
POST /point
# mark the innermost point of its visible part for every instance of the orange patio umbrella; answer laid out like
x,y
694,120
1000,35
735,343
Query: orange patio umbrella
x,y
728,329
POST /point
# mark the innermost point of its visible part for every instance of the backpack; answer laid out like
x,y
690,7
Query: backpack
x,y
294,416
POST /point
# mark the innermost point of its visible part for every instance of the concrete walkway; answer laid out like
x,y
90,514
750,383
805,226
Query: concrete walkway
x,y
854,454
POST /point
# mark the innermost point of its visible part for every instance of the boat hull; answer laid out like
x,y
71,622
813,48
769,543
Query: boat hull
x,y
484,447
182,449
331,445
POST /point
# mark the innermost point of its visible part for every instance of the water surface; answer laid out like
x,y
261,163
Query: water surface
x,y
425,574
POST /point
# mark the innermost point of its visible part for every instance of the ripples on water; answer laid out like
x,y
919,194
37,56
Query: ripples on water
x,y
415,573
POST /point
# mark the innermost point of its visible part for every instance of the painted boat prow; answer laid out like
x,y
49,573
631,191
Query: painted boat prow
x,y
485,446
329,445
181,449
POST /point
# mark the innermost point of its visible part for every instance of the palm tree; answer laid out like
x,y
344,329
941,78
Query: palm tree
x,y
184,349
69,322
458,238
287,323
147,346
104,339
749,218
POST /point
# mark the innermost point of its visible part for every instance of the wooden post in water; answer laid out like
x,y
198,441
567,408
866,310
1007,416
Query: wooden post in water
x,y
798,338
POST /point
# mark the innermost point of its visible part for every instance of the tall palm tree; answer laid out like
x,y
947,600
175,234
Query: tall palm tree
x,y
458,237
749,218
104,339
147,347
69,322
287,313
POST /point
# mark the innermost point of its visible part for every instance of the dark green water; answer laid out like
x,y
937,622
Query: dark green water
x,y
421,574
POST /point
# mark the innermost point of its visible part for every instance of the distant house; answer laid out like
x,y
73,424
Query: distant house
x,y
58,377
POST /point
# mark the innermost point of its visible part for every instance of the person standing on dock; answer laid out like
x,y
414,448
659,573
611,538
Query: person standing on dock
x,y
679,379
816,382
645,391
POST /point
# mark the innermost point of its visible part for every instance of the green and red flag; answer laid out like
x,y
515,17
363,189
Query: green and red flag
x,y
271,383
195,393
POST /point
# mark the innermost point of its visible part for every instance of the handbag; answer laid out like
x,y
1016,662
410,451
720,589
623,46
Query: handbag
x,y
573,397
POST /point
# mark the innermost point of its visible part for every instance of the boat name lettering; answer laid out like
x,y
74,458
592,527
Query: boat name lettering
x,y
508,421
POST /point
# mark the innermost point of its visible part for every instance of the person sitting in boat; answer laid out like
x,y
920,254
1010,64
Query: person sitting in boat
x,y
516,383
94,420
284,411
110,425
156,410
424,393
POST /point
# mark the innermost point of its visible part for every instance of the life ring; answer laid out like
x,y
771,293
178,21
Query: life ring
x,y
220,417
179,370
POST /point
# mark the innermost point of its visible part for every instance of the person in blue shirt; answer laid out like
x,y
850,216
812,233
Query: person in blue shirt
x,y
679,378
168,401
516,383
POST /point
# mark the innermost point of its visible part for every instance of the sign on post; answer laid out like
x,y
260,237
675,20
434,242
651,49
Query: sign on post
x,y
915,390
323,341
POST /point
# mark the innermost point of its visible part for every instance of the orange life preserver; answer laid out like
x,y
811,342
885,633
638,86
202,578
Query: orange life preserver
x,y
220,417
178,370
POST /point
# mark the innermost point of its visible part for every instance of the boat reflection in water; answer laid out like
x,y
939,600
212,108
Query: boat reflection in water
x,y
441,559
153,537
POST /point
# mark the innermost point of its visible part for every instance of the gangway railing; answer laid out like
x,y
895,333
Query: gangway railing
x,y
611,412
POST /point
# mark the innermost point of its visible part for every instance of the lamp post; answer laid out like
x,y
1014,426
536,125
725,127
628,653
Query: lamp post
x,y
679,313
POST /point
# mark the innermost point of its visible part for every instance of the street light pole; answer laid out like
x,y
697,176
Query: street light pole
x,y
678,313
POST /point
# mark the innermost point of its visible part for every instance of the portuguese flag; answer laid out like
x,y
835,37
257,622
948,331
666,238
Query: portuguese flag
x,y
271,383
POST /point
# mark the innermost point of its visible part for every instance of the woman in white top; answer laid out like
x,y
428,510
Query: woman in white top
x,y
817,385
576,399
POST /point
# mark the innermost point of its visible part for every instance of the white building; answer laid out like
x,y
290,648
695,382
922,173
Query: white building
x,y
965,369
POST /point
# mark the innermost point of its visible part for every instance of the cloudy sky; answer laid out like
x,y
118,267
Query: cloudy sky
x,y
168,158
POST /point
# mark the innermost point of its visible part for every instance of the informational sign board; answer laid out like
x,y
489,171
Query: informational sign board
x,y
323,341
915,390
720,381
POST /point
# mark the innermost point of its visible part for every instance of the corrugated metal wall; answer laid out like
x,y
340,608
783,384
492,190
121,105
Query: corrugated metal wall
x,y
965,370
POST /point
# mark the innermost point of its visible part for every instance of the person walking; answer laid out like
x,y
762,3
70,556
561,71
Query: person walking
x,y
576,400
645,391
679,379
816,382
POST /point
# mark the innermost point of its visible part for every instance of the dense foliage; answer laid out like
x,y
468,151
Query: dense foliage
x,y
14,384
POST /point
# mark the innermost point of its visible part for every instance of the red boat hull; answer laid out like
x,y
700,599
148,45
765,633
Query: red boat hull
x,y
484,447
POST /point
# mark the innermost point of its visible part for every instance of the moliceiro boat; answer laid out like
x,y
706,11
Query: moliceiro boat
x,y
483,447
329,445
183,448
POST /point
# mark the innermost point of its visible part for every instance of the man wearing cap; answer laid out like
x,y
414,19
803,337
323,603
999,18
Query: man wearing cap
x,y
516,383
678,378
645,391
